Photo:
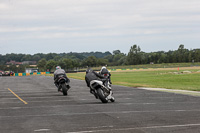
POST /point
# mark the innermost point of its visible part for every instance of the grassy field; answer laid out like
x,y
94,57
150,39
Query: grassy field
x,y
163,65
187,78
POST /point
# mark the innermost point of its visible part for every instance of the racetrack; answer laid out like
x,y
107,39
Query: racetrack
x,y
32,105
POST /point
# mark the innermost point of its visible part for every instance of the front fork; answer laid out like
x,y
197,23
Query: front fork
x,y
109,97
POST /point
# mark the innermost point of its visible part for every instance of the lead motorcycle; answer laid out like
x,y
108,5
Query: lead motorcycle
x,y
63,84
102,90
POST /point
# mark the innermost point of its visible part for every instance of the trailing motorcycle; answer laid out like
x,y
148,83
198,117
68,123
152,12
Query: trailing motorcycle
x,y
102,90
63,84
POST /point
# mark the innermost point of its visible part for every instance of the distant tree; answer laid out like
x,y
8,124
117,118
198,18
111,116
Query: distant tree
x,y
115,52
27,57
134,55
36,58
50,56
42,64
102,62
91,61
197,55
76,63
57,58
118,59
68,64
51,64
180,53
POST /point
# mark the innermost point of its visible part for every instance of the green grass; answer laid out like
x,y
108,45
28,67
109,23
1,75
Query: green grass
x,y
154,79
145,66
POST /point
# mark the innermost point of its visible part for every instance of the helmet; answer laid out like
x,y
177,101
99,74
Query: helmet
x,y
104,70
103,67
58,67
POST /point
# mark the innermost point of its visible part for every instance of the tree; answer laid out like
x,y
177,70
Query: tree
x,y
102,62
134,56
42,64
91,61
27,57
180,53
51,64
115,52
36,58
68,64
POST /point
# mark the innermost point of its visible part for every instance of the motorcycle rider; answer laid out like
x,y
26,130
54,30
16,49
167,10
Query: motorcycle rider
x,y
92,75
57,73
104,72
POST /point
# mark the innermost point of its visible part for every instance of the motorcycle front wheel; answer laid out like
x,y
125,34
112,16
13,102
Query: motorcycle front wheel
x,y
101,95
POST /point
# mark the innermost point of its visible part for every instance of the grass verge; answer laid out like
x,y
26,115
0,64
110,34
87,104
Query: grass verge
x,y
170,79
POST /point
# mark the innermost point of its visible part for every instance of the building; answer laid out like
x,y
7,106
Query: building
x,y
31,70
29,62
13,63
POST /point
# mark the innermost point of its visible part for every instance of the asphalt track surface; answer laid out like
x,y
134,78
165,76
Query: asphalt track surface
x,y
33,105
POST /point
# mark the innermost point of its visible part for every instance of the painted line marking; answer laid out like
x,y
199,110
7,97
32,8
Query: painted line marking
x,y
136,128
41,130
17,96
95,113
75,105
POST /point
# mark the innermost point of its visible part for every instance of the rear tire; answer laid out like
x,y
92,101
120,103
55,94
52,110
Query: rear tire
x,y
64,89
101,95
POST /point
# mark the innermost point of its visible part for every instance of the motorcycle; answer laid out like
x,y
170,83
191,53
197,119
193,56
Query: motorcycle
x,y
63,84
102,90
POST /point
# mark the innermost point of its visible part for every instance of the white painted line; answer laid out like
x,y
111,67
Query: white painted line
x,y
101,127
183,92
94,113
95,104
41,130
136,128
9,98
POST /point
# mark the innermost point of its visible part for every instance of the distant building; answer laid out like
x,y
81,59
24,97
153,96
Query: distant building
x,y
29,62
31,70
21,63
13,63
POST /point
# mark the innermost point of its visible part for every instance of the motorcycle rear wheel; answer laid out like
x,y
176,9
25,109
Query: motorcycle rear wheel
x,y
64,89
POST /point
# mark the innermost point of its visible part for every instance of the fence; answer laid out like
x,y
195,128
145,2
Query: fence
x,y
28,74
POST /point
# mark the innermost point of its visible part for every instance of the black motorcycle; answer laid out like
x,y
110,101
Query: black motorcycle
x,y
63,84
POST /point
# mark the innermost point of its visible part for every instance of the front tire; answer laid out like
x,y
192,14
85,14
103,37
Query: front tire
x,y
112,100
64,89
101,95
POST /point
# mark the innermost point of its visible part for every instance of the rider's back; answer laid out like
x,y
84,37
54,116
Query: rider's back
x,y
59,71
91,76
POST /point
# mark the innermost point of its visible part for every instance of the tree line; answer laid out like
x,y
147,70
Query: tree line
x,y
72,61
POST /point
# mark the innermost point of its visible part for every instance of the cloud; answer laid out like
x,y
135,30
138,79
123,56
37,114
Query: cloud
x,y
122,21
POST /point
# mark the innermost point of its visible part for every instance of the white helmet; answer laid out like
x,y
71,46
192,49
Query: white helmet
x,y
103,67
58,67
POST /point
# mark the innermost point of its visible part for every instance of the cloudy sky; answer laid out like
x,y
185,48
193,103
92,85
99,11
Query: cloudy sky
x,y
44,26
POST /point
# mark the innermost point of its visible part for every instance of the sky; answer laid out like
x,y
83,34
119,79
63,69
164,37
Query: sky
x,y
58,26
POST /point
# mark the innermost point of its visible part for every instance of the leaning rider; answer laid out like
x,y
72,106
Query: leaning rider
x,y
92,75
104,72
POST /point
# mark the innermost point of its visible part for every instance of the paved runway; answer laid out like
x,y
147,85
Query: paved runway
x,y
33,105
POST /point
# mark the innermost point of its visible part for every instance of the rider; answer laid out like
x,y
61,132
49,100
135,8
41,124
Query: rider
x,y
104,72
92,75
57,73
